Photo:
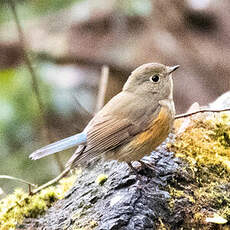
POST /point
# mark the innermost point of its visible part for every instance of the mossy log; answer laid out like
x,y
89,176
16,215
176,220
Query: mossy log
x,y
186,187
121,202
189,187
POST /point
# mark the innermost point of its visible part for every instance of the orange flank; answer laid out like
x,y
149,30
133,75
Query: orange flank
x,y
145,142
156,132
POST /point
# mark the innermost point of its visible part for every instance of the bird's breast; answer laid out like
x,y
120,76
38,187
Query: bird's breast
x,y
145,142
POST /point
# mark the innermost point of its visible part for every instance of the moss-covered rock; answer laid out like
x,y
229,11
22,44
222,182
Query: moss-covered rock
x,y
205,148
19,205
189,189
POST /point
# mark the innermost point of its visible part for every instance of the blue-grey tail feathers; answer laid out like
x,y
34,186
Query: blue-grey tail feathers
x,y
78,139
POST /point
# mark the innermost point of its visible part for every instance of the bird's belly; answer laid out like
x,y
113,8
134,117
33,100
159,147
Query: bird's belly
x,y
144,143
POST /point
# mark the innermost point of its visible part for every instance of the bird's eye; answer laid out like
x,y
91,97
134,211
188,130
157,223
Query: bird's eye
x,y
155,78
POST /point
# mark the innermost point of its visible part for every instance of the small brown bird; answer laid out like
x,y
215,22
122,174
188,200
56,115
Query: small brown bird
x,y
131,125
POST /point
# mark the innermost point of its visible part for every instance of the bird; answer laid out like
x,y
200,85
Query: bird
x,y
131,125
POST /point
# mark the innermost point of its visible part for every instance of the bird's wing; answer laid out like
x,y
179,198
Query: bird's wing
x,y
105,135
123,117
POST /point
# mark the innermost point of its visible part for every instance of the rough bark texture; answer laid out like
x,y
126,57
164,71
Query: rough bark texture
x,y
190,192
123,202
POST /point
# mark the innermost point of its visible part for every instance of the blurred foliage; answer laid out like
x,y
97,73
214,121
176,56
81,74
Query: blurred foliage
x,y
136,7
21,125
40,7
20,118
19,121
29,9
19,205
18,107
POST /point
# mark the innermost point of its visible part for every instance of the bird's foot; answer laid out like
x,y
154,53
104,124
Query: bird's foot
x,y
133,169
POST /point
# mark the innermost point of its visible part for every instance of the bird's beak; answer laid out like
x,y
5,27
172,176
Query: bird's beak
x,y
172,68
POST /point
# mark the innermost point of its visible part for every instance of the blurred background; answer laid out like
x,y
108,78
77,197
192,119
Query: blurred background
x,y
69,41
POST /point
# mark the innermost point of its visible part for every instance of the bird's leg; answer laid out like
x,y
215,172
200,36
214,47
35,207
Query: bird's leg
x,y
134,170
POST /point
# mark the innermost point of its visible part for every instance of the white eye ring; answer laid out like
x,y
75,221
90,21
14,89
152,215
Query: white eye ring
x,y
155,78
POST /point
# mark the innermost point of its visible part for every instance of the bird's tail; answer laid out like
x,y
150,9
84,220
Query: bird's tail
x,y
58,146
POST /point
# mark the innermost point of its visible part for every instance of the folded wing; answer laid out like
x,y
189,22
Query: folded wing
x,y
105,135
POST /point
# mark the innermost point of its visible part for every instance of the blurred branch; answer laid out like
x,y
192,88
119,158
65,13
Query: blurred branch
x,y
82,108
85,61
19,180
84,115
51,182
102,88
100,102
27,59
183,115
34,78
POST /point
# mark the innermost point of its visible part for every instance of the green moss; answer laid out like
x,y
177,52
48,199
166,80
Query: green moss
x,y
205,145
101,179
205,149
89,224
216,197
19,205
161,225
177,193
92,225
